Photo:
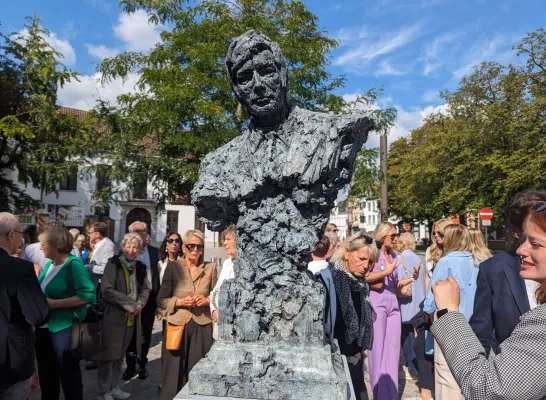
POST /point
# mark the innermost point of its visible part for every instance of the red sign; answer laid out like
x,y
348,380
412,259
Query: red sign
x,y
486,214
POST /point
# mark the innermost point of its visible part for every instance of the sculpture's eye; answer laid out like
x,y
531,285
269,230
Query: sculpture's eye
x,y
244,77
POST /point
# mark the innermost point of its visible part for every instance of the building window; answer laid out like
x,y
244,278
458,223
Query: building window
x,y
199,225
70,182
172,221
374,219
103,180
362,219
140,189
369,206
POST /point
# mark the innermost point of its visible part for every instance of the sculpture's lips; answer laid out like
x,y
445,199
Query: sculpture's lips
x,y
263,100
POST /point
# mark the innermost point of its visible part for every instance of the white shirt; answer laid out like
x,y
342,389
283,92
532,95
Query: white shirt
x,y
227,273
144,257
162,266
97,245
51,273
531,287
316,266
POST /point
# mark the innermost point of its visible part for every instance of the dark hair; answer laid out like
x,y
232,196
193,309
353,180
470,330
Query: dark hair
x,y
322,247
101,228
163,248
59,238
520,205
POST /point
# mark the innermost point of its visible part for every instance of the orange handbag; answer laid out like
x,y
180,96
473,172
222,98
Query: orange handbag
x,y
173,336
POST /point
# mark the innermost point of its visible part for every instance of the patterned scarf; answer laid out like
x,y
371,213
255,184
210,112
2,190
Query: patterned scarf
x,y
130,265
359,328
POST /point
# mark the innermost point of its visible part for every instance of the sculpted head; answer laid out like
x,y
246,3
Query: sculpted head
x,y
258,74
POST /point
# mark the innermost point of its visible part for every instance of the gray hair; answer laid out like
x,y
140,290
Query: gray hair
x,y
132,226
193,232
8,223
334,238
355,243
132,237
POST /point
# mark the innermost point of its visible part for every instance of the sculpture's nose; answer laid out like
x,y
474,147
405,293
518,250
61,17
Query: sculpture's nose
x,y
259,86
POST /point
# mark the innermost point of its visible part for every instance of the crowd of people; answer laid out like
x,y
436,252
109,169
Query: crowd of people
x,y
470,325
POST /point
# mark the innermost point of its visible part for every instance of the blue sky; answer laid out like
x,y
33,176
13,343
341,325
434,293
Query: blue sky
x,y
413,48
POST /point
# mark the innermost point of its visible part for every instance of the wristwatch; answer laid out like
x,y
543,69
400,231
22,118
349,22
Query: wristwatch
x,y
441,312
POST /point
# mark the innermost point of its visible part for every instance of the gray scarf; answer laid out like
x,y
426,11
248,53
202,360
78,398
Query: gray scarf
x,y
357,327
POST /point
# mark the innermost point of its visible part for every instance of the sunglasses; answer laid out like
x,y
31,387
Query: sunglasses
x,y
439,234
170,241
393,236
192,247
540,208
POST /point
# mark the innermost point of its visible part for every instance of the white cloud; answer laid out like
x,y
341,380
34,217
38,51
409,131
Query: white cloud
x,y
386,68
101,51
406,120
439,52
364,48
135,31
83,95
431,96
62,46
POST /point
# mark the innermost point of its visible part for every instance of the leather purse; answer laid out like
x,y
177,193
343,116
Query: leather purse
x,y
173,336
87,337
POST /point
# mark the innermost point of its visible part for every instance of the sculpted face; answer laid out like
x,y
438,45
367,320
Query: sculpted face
x,y
258,82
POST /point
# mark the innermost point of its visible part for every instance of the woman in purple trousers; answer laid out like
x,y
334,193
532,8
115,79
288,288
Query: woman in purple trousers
x,y
383,358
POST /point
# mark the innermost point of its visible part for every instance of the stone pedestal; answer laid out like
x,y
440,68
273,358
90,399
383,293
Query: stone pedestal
x,y
254,371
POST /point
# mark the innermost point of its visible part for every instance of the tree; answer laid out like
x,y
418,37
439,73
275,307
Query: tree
x,y
489,145
36,139
184,106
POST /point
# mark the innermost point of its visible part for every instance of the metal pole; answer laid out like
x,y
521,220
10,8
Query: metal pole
x,y
383,182
486,241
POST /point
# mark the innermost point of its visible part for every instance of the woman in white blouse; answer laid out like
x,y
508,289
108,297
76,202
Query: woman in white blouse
x,y
229,239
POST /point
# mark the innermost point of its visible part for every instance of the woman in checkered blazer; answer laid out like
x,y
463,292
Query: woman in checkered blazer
x,y
518,371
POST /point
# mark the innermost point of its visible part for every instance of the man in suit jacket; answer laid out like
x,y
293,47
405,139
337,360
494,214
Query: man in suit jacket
x,y
149,257
22,306
103,250
518,371
502,295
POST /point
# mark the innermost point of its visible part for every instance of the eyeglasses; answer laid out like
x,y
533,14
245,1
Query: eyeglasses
x,y
393,236
192,247
89,232
335,230
540,208
439,234
170,241
22,233
140,231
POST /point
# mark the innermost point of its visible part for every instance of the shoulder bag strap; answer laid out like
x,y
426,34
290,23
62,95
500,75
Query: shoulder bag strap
x,y
70,279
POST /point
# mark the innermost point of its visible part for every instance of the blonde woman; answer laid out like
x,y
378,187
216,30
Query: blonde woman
x,y
184,299
458,263
383,358
480,252
354,315
435,250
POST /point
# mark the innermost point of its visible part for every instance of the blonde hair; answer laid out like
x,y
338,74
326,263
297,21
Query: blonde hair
x,y
456,238
406,241
434,250
131,237
193,232
355,243
381,230
480,252
58,238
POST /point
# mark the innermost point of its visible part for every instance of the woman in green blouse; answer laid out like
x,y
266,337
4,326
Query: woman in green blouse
x,y
56,365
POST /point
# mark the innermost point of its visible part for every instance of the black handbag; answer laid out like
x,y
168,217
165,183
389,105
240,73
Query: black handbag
x,y
87,334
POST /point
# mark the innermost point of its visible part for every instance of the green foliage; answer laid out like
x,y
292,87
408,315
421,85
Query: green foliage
x,y
35,138
490,145
184,106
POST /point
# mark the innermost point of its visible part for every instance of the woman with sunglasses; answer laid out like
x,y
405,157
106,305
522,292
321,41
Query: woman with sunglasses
x,y
184,300
435,250
518,370
458,263
170,250
383,358
354,313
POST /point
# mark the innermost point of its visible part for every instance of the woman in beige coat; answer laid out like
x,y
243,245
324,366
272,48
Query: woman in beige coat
x,y
184,299
125,288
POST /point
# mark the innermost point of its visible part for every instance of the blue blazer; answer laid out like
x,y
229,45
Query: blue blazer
x,y
501,299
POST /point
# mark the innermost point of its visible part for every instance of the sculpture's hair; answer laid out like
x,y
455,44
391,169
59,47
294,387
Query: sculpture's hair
x,y
436,250
480,252
456,238
406,241
247,45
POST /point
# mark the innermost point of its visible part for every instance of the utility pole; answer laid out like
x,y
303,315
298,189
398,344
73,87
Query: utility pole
x,y
383,182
